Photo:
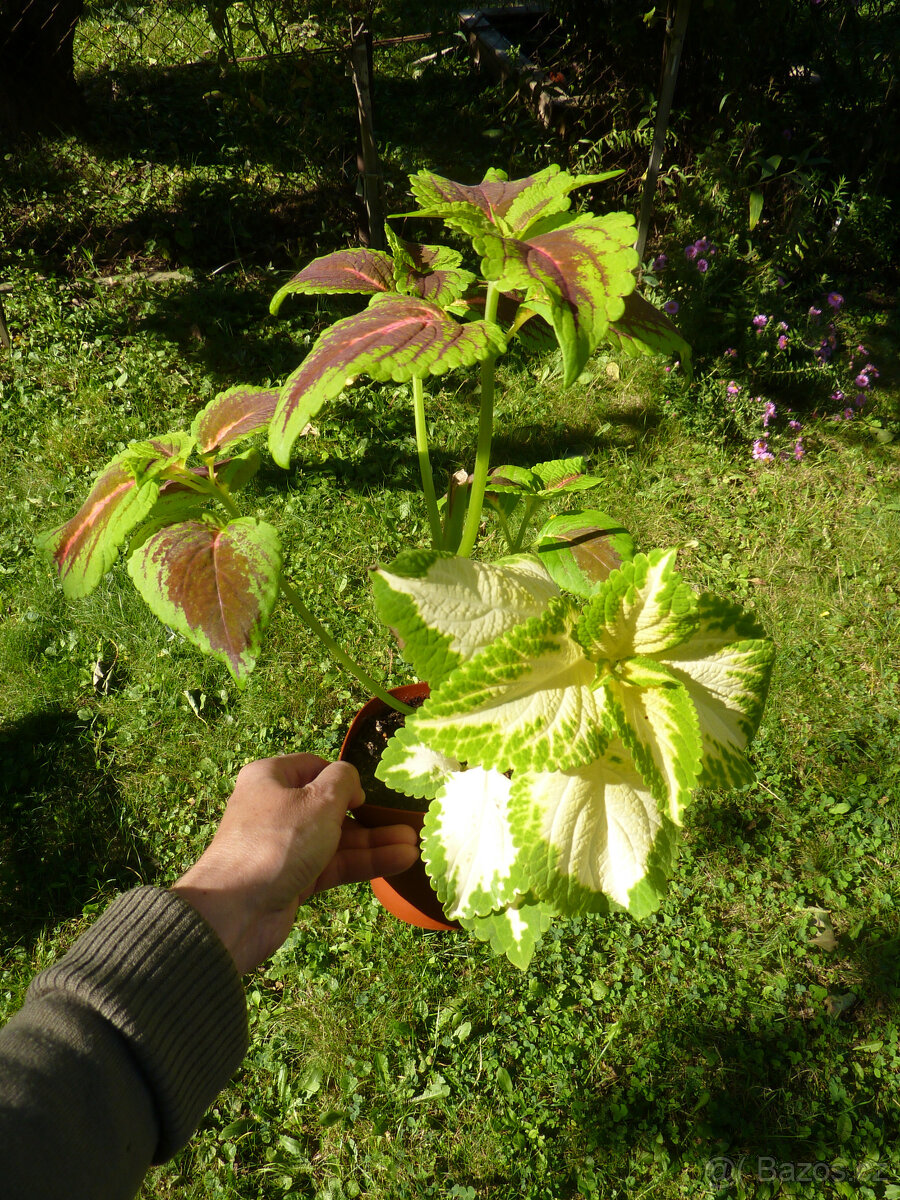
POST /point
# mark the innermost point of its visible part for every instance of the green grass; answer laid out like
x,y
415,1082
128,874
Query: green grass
x,y
386,1062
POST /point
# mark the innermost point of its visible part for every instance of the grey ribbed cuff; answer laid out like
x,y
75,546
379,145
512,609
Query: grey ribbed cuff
x,y
155,970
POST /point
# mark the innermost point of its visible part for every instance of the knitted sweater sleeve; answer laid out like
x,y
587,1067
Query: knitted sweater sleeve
x,y
118,1051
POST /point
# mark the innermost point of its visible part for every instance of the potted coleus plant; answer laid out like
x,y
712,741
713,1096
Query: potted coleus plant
x,y
571,720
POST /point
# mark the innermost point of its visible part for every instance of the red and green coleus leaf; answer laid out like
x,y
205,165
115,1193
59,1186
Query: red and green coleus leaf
x,y
593,836
576,277
527,701
396,337
468,845
544,480
126,490
233,416
514,931
643,329
357,270
512,206
430,272
444,609
215,585
179,499
581,550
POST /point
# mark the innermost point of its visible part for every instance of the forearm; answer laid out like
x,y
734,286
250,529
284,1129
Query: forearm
x,y
118,1051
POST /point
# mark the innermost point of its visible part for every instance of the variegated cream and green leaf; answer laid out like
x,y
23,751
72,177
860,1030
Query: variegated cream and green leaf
x,y
444,609
514,931
469,846
582,731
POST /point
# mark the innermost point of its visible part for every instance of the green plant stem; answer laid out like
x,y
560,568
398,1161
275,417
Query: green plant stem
x,y
485,430
530,506
504,526
292,596
434,517
337,652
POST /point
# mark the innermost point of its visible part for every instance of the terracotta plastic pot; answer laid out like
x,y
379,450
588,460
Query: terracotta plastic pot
x,y
408,896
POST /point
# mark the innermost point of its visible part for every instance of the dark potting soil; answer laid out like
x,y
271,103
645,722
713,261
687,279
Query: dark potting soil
x,y
365,754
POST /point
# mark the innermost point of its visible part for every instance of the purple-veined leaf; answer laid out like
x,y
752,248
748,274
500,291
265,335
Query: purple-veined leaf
x,y
396,337
511,205
85,547
215,585
430,272
357,270
581,549
234,415
576,277
643,329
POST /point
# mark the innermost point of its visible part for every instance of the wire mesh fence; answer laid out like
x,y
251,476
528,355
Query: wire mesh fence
x,y
117,34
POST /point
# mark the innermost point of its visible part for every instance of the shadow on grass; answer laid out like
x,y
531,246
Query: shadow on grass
x,y
64,830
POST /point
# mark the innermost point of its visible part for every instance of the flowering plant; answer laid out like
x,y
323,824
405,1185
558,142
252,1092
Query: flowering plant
x,y
578,693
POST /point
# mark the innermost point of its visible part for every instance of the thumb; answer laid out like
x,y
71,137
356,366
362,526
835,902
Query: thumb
x,y
334,790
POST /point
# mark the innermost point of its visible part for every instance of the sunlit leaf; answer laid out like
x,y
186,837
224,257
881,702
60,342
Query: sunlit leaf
x,y
594,834
515,931
527,701
643,329
576,276
358,270
445,609
396,337
514,206
214,585
581,549
86,547
233,416
431,272
468,846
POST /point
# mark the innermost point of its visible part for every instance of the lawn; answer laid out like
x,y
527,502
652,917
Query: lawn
x,y
744,1038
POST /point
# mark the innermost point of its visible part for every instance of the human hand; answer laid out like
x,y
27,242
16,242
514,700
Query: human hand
x,y
285,834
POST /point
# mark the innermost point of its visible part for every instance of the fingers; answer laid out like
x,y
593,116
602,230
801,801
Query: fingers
x,y
330,785
289,770
377,857
336,787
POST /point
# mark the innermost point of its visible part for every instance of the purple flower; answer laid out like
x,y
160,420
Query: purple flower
x,y
835,299
702,265
862,380
783,326
660,262
733,388
761,321
862,350
731,352
837,396
860,399
782,342
780,281
794,426
691,252
671,307
703,244
814,314
872,371
798,449
768,413
761,451
848,414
